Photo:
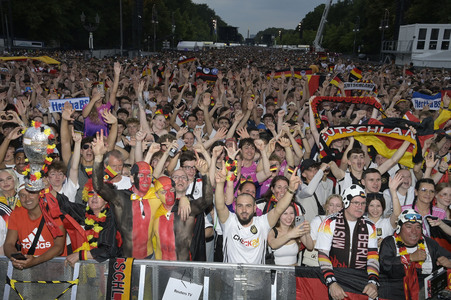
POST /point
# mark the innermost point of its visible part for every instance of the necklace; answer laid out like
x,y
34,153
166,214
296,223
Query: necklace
x,y
402,249
94,224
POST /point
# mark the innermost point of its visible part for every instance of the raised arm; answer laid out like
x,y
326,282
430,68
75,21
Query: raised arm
x,y
112,136
117,73
393,186
73,173
106,192
65,132
221,208
199,205
389,163
283,203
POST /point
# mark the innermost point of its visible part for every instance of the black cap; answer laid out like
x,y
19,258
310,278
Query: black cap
x,y
308,163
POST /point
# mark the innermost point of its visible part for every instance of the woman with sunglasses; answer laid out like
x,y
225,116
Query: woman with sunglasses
x,y
423,203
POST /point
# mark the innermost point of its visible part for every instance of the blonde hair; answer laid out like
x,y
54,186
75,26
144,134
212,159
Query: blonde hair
x,y
330,198
16,180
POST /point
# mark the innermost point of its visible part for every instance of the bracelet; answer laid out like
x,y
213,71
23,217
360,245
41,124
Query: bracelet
x,y
377,284
443,172
290,191
445,107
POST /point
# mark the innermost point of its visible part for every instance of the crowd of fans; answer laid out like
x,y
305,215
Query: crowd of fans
x,y
217,157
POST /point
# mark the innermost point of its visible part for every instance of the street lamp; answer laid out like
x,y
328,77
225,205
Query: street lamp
x,y
300,30
215,27
173,30
355,30
90,27
154,24
382,27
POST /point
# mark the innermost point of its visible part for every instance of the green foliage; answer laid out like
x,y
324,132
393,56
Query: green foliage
x,y
59,22
366,15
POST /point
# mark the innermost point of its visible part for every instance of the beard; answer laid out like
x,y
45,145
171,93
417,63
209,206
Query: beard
x,y
245,222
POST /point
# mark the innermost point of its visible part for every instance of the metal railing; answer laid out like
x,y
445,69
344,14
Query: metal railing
x,y
149,280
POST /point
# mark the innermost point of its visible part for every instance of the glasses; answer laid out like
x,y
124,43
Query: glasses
x,y
189,167
358,203
184,178
413,217
86,146
425,190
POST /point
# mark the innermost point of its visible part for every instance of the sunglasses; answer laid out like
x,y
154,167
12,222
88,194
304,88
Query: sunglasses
x,y
413,217
86,146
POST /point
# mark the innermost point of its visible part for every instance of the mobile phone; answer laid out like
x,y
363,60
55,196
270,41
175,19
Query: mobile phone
x,y
298,220
18,256
180,105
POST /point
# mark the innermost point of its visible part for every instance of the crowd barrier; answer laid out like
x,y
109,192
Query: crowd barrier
x,y
88,280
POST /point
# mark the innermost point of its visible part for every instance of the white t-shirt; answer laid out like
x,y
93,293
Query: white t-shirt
x,y
384,228
3,230
245,244
69,190
123,184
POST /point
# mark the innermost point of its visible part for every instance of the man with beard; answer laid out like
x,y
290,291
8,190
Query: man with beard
x,y
245,235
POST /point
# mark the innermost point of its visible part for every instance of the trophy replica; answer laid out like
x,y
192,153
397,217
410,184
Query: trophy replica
x,y
38,143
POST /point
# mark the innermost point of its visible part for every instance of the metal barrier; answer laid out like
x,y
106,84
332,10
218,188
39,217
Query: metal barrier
x,y
149,280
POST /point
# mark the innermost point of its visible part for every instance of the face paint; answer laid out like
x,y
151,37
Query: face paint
x,y
165,189
142,176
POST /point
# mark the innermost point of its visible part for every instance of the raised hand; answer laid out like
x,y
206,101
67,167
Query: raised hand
x,y
284,142
232,152
77,137
259,144
221,175
217,150
98,145
295,181
109,117
67,112
201,164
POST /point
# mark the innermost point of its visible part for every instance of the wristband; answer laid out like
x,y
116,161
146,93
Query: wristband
x,y
330,280
290,191
376,283
443,172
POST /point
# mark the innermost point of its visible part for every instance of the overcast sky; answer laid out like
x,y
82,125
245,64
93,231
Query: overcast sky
x,y
257,15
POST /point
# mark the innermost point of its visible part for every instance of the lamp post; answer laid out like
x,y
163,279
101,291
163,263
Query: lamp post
x,y
173,31
90,27
382,27
120,26
300,30
154,24
215,27
355,30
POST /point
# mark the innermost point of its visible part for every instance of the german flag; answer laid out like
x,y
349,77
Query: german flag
x,y
337,80
408,72
314,82
387,146
310,284
185,61
356,74
331,67
440,236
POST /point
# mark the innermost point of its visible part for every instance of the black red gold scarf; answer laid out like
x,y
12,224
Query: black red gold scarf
x,y
340,254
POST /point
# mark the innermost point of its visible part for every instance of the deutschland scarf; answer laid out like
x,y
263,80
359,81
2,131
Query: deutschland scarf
x,y
340,255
